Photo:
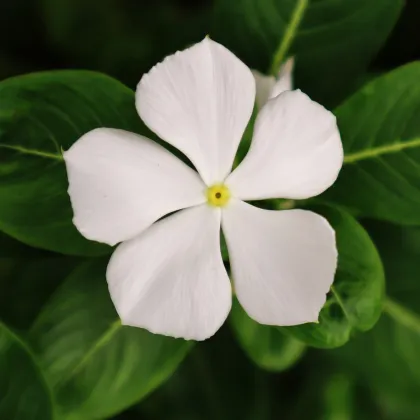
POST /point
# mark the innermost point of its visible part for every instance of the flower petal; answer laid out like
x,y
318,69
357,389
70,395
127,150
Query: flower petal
x,y
264,85
284,78
269,87
199,100
283,262
120,183
296,151
171,279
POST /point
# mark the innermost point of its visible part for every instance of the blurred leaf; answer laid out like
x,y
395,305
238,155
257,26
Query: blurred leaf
x,y
24,394
27,282
403,46
216,381
338,398
15,15
123,38
9,65
380,129
268,347
387,358
95,366
333,40
355,300
399,247
10,248
41,114
28,276
344,399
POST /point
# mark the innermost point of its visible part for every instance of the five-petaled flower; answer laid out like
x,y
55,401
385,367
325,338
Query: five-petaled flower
x,y
167,275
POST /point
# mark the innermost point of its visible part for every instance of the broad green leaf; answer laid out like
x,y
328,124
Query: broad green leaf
x,y
24,394
40,115
399,247
380,130
333,40
96,366
268,347
28,276
216,381
329,392
387,358
355,300
27,281
387,361
123,38
10,248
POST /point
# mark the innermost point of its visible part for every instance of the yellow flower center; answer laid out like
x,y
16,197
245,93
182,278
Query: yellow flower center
x,y
218,195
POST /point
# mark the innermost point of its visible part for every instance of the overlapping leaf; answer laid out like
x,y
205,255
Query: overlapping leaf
x,y
267,346
41,114
96,366
380,129
24,394
333,41
386,359
355,300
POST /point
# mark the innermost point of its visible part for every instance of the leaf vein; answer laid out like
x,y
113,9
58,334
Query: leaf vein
x,y
381,150
37,366
98,344
402,315
32,152
341,303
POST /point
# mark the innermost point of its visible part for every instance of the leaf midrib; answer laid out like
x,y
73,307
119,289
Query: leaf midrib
x,y
355,157
381,150
402,315
341,303
96,346
42,377
32,152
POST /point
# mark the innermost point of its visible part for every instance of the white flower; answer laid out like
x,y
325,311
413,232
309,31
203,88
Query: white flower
x,y
269,87
168,276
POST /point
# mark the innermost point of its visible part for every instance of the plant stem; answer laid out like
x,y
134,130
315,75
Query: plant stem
x,y
289,35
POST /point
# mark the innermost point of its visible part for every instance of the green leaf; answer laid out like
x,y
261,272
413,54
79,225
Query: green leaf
x,y
380,130
24,394
122,38
338,402
216,381
40,115
333,40
387,359
28,276
96,366
399,247
344,399
10,248
393,359
27,282
268,347
355,300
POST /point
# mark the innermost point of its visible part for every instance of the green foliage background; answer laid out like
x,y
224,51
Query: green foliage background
x,y
68,66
